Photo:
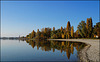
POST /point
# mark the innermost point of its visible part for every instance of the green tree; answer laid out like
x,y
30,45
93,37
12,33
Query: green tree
x,y
96,30
76,34
82,29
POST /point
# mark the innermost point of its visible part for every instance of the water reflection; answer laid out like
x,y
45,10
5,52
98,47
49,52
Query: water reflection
x,y
65,46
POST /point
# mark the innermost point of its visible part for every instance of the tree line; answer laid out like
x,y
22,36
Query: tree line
x,y
84,30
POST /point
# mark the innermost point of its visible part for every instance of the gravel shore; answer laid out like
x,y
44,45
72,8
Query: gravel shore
x,y
90,53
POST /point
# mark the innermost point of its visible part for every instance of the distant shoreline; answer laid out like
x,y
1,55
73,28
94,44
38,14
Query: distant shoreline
x,y
88,53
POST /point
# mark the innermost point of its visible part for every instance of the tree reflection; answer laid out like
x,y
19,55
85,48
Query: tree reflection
x,y
72,48
66,46
68,52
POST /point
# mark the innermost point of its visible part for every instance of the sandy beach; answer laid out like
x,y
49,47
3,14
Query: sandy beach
x,y
90,53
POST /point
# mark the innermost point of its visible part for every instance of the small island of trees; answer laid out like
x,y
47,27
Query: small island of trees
x,y
84,30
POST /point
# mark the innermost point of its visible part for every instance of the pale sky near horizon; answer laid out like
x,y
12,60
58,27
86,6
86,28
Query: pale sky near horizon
x,y
21,17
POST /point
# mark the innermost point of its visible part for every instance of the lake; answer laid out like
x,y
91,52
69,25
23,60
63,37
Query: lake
x,y
18,50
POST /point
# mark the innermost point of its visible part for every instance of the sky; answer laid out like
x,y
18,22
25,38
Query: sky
x,y
22,17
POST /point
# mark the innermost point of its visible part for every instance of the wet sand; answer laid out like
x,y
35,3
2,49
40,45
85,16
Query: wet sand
x,y
90,53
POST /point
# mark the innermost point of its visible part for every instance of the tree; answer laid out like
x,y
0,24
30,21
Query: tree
x,y
29,35
68,26
58,33
96,30
38,34
61,28
82,29
45,30
33,34
42,30
42,36
68,35
68,29
89,27
26,36
49,32
76,34
52,33
72,32
87,23
54,36
53,28
63,36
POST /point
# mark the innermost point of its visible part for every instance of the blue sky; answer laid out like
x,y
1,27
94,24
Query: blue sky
x,y
21,17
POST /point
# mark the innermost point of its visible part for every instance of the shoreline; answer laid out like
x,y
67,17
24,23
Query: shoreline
x,y
90,53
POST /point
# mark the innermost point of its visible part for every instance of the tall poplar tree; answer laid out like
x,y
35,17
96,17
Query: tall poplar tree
x,y
38,34
68,26
33,34
72,32
53,28
61,28
89,27
68,29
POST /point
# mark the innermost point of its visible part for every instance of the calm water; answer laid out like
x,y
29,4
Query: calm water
x,y
15,50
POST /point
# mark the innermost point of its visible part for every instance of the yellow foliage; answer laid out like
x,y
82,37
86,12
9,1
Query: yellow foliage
x,y
63,36
72,32
53,28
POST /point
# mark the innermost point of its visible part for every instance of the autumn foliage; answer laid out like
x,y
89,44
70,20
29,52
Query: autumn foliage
x,y
84,30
